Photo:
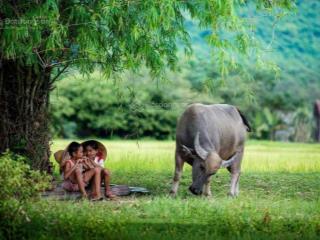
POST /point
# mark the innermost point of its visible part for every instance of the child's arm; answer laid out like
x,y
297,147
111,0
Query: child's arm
x,y
95,164
69,169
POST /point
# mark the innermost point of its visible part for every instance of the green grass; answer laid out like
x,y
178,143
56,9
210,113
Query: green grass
x,y
279,198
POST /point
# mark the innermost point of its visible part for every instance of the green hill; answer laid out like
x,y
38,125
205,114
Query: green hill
x,y
294,37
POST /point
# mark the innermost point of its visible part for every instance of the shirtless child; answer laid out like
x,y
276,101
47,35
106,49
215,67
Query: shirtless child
x,y
77,176
91,150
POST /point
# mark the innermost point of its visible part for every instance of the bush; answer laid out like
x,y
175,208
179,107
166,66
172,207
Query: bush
x,y
18,184
17,180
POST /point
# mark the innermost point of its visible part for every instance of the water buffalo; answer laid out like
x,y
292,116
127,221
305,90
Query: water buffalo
x,y
209,137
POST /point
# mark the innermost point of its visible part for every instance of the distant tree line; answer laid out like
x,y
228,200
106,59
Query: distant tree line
x,y
84,106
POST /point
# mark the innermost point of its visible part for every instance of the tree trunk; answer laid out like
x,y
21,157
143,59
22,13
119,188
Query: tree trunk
x,y
24,98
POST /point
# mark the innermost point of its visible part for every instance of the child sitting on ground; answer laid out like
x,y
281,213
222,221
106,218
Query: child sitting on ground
x,y
77,175
91,149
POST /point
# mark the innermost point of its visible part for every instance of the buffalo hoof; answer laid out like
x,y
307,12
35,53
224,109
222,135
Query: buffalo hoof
x,y
172,194
232,195
208,195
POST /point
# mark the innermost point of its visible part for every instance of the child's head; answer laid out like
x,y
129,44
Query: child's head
x,y
75,150
91,148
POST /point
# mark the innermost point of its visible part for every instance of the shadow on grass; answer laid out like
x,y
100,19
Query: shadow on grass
x,y
217,230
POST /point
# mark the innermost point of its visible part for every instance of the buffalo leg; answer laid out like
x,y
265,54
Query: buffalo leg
x,y
207,188
235,170
177,173
214,162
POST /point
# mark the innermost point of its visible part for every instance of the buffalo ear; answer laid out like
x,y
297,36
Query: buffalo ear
x,y
228,162
186,150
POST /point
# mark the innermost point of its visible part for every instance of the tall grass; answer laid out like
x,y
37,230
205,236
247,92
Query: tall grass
x,y
260,156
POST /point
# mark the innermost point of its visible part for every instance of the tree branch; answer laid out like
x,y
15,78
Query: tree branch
x,y
59,73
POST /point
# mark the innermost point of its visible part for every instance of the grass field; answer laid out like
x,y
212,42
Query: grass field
x,y
279,198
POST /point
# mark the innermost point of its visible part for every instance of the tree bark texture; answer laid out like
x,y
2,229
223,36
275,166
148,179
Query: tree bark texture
x,y
24,99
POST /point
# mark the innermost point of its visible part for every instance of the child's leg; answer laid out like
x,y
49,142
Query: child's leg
x,y
87,176
96,175
77,177
106,175
97,182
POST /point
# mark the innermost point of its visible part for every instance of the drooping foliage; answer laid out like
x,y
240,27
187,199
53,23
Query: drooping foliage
x,y
118,34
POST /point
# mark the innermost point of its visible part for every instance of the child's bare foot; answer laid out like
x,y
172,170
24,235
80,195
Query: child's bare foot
x,y
96,198
110,195
82,197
